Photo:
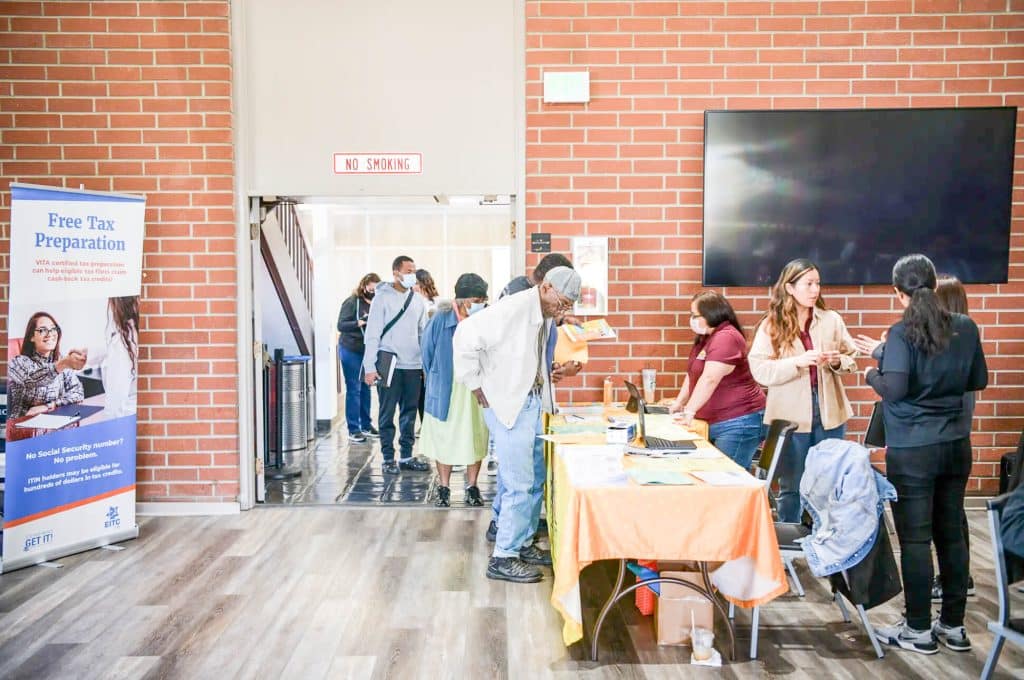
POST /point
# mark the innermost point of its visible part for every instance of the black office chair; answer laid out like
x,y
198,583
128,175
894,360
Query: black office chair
x,y
1006,627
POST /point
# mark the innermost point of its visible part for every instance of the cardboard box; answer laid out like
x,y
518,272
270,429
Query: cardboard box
x,y
620,434
673,610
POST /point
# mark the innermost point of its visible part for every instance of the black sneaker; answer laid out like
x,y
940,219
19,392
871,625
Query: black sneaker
x,y
542,527
473,498
414,465
371,433
443,499
534,555
937,588
390,467
492,531
356,437
512,569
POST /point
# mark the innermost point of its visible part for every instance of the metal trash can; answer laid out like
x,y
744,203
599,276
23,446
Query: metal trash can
x,y
292,402
310,402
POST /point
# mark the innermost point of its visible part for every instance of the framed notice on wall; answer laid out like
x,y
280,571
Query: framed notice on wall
x,y
590,258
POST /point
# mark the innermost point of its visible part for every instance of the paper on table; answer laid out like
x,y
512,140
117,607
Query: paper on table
x,y
48,422
727,478
661,425
590,466
668,477
594,438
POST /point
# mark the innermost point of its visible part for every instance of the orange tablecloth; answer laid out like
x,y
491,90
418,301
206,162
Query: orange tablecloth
x,y
730,524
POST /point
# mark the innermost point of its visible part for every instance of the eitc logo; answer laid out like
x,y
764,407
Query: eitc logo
x,y
112,518
37,540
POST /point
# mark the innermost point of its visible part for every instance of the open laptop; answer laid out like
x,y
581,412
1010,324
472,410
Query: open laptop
x,y
653,442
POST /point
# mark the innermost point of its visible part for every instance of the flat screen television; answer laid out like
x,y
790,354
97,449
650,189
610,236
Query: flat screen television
x,y
855,190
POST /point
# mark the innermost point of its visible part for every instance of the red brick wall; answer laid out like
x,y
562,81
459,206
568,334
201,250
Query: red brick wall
x,y
628,164
136,97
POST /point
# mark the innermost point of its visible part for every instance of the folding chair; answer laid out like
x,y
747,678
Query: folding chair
x,y
1006,627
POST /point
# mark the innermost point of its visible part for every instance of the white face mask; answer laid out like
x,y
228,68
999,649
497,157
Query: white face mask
x,y
475,307
698,327
408,280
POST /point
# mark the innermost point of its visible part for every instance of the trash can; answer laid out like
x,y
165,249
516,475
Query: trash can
x,y
292,402
310,402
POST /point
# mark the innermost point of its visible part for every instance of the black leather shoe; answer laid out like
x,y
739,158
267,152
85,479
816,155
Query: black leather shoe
x,y
443,499
414,465
512,569
534,555
390,467
473,498
492,531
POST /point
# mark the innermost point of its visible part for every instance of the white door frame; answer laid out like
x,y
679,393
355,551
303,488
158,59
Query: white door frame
x,y
250,444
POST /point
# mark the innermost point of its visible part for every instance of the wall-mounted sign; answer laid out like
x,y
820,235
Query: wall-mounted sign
x,y
540,242
590,259
378,163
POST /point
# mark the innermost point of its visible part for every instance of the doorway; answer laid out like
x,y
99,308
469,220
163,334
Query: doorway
x,y
347,238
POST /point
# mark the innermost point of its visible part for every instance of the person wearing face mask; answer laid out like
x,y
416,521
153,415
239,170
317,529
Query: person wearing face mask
x,y
500,354
393,328
800,351
351,349
718,387
454,431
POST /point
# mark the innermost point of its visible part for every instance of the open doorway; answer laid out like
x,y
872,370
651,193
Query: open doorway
x,y
346,239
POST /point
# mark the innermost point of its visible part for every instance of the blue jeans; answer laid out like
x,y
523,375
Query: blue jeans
x,y
538,498
520,477
357,392
791,467
738,437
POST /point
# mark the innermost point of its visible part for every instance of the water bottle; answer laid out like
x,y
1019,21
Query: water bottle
x,y
608,391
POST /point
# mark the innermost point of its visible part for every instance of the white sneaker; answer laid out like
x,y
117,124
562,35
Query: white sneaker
x,y
903,636
954,637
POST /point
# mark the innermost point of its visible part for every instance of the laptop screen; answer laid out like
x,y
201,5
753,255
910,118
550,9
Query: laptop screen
x,y
641,406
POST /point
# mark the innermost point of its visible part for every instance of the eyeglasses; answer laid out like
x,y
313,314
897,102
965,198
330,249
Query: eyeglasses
x,y
46,331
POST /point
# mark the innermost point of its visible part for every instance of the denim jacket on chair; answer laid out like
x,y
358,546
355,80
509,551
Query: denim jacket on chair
x,y
845,496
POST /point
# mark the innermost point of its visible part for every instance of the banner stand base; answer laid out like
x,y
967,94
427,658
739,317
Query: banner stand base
x,y
14,563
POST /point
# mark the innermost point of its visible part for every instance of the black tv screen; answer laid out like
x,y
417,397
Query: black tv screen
x,y
856,190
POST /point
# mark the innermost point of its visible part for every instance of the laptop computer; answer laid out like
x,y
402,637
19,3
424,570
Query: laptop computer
x,y
633,405
653,442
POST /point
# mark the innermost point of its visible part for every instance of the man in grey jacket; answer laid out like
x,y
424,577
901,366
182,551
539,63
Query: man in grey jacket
x,y
393,329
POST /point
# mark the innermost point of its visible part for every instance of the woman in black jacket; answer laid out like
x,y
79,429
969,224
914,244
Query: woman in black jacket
x,y
351,326
930,360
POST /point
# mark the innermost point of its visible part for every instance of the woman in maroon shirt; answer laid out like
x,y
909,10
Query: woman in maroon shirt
x,y
718,387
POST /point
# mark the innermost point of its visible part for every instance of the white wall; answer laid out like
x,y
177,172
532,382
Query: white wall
x,y
277,334
438,78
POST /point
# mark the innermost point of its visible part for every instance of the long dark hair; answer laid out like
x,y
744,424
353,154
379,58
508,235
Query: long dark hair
x,y
28,348
363,282
715,309
952,295
929,325
782,316
427,285
124,311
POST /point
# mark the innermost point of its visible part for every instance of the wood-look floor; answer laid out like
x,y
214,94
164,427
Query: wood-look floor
x,y
389,593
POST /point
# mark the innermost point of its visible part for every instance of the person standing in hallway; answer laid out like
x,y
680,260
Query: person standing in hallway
x,y
355,311
393,329
501,356
454,431
426,289
800,350
930,360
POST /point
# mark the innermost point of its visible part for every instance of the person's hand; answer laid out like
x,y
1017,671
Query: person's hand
x,y
683,418
74,360
480,398
36,410
808,358
370,378
868,370
865,344
675,407
557,371
571,368
569,319
361,323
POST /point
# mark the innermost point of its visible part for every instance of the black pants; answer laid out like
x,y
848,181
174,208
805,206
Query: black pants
x,y
930,482
404,395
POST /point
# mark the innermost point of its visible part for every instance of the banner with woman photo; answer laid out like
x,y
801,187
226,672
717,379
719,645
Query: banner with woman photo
x,y
72,371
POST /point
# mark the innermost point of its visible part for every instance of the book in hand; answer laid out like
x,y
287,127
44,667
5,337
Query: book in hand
x,y
386,362
597,329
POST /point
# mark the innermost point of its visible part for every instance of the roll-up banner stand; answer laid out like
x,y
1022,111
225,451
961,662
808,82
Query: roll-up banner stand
x,y
72,371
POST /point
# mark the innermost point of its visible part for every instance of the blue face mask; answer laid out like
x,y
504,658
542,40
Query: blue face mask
x,y
408,280
475,307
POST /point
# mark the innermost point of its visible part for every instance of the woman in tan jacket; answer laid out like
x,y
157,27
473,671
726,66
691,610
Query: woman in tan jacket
x,y
799,351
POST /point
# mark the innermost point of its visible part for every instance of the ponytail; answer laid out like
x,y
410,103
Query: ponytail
x,y
929,326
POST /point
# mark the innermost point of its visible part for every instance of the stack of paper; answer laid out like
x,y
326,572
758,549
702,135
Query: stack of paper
x,y
727,478
668,477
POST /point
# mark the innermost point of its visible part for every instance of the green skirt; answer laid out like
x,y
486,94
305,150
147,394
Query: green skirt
x,y
460,440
